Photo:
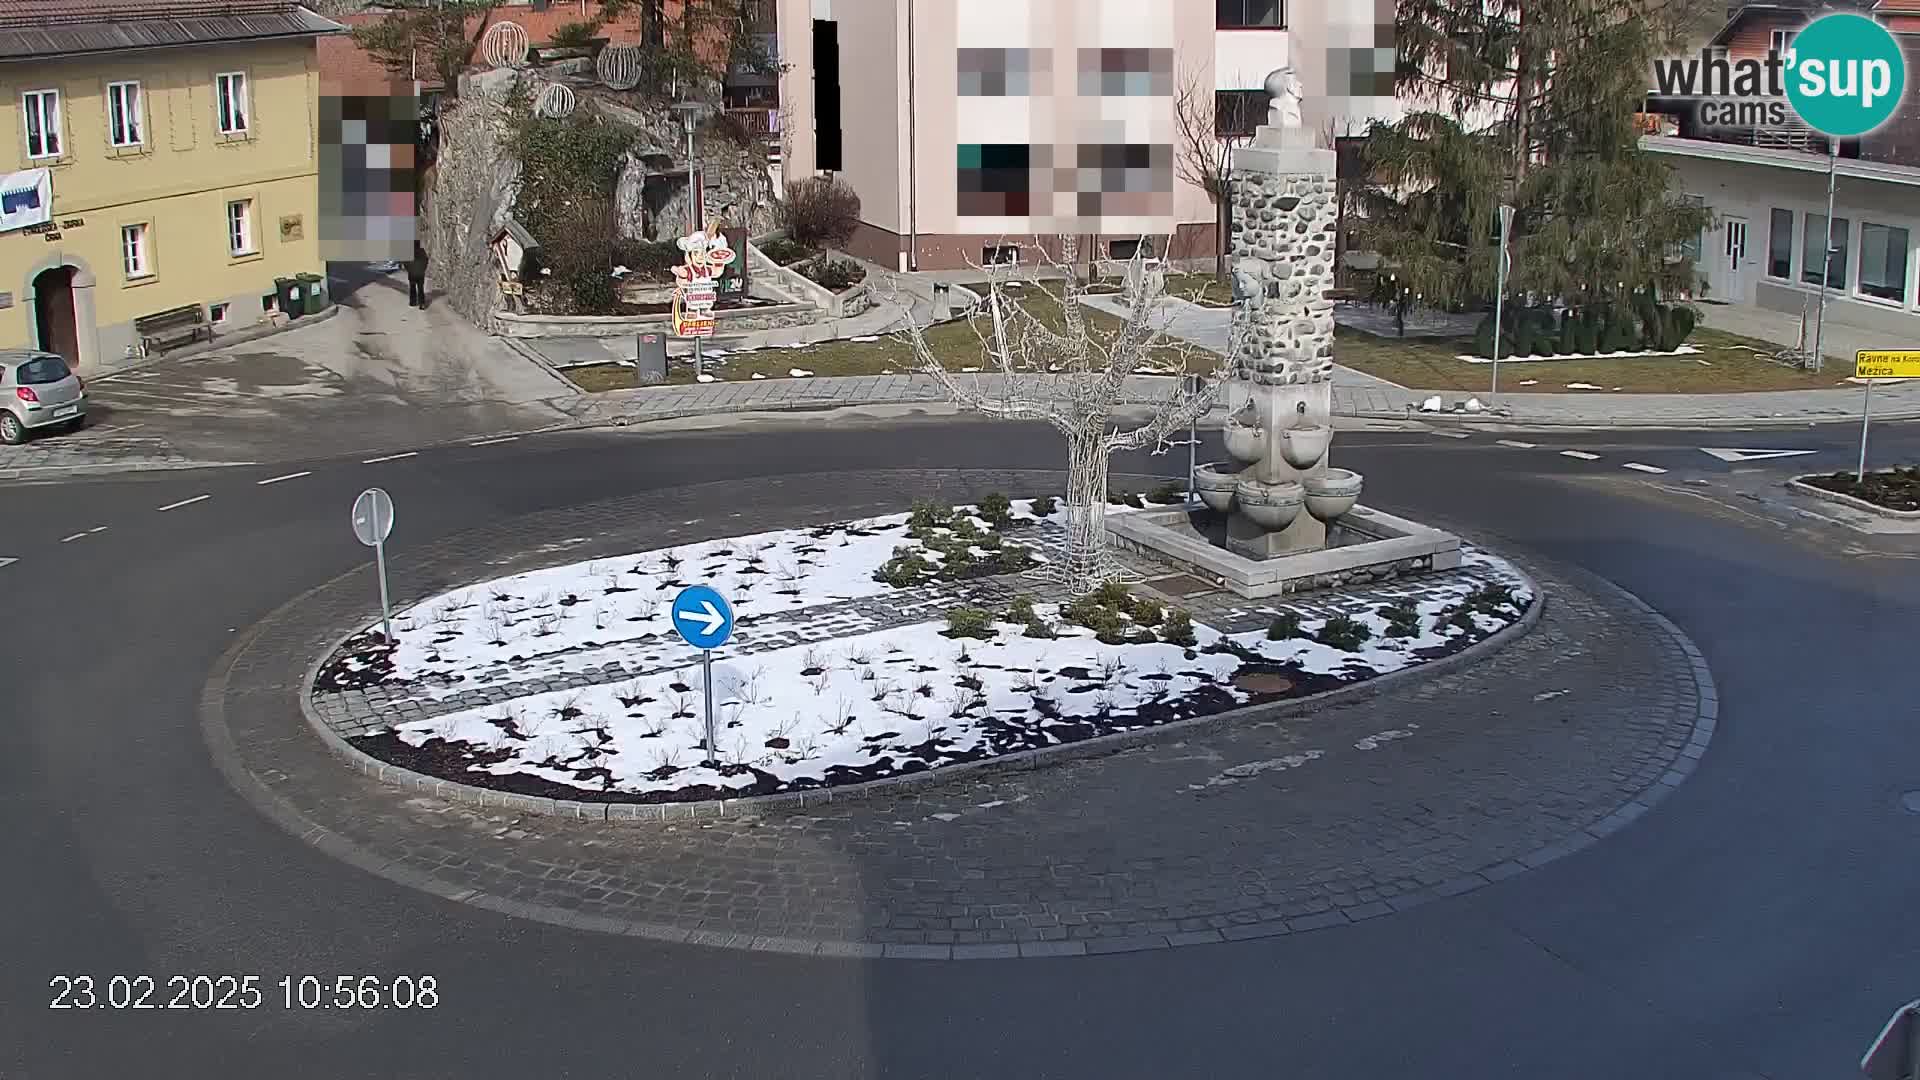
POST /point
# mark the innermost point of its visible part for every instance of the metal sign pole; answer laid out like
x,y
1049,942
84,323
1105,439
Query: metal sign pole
x,y
1499,298
699,359
1866,417
386,609
706,677
1193,444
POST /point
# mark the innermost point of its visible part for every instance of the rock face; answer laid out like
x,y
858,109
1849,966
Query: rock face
x,y
650,197
475,179
1283,257
472,190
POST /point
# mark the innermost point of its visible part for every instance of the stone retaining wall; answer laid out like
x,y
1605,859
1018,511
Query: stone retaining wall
x,y
736,321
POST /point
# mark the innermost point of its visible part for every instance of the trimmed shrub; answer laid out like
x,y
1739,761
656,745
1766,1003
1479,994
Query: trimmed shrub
x,y
653,261
785,252
820,211
1403,619
1168,494
1586,332
1345,634
1284,627
1147,611
996,510
1680,323
1045,505
966,622
1021,610
1038,628
1178,629
1569,332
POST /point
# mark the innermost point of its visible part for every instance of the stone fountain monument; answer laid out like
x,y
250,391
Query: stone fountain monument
x,y
1291,520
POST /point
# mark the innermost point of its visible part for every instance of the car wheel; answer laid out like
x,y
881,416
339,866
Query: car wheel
x,y
78,422
12,431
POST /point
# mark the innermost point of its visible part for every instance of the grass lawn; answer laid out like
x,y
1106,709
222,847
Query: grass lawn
x,y
1726,363
955,343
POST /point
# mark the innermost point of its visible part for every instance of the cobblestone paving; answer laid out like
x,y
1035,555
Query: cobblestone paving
x,y
100,448
1270,826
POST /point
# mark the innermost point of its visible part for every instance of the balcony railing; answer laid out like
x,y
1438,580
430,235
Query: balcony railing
x,y
759,122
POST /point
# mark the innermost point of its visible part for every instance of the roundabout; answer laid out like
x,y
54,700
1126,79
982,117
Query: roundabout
x,y
1366,795
1467,855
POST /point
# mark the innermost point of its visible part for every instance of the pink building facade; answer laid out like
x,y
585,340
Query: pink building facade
x,y
968,128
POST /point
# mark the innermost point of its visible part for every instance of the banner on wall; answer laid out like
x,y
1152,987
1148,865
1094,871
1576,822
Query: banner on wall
x,y
26,198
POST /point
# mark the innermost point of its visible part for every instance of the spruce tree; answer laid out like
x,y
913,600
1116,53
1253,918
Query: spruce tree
x,y
1531,104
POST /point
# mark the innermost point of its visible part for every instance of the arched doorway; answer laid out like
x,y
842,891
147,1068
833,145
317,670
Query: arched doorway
x,y
54,315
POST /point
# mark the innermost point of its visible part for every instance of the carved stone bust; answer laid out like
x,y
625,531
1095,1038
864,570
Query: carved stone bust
x,y
1284,88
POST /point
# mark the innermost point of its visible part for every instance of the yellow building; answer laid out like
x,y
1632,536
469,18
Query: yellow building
x,y
160,160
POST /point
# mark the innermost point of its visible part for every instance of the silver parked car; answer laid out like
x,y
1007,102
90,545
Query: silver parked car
x,y
38,390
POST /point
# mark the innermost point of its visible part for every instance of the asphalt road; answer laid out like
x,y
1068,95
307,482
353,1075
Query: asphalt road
x,y
1758,923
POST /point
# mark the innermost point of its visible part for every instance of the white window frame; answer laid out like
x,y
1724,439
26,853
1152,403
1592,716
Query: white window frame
x,y
136,250
230,88
35,103
241,229
1781,41
1858,292
218,314
123,104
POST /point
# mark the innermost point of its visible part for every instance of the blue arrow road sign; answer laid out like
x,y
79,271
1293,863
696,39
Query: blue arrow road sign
x,y
703,617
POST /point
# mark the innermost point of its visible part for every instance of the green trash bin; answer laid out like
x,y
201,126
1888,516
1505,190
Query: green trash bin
x,y
287,296
313,292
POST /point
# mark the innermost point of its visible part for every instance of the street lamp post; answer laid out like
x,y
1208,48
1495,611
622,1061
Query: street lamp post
x,y
1826,264
1499,297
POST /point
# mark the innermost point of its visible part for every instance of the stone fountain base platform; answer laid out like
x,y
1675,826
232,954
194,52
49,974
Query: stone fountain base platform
x,y
1364,546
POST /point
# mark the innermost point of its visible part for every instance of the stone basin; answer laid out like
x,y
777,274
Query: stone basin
x,y
1270,506
1303,447
1332,494
1245,444
1215,484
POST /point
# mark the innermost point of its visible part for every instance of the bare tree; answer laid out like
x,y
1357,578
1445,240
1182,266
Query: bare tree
x,y
1054,364
1206,130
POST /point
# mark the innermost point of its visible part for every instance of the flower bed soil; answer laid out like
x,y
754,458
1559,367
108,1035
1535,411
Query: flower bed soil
x,y
1890,489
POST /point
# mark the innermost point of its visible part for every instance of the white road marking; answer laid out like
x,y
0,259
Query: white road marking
x,y
1581,454
391,457
277,479
96,529
1452,434
8,562
1637,467
1518,445
1735,456
71,539
494,442
184,502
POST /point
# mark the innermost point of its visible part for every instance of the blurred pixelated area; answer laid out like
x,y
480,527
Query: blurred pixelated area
x,y
369,173
1359,59
1074,128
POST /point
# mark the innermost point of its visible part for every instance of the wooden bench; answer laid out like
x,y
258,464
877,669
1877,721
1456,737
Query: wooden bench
x,y
187,323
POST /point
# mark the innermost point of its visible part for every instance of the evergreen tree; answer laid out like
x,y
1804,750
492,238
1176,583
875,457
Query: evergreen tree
x,y
1530,104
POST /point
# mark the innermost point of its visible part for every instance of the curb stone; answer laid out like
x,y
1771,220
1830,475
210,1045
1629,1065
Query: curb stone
x,y
1681,759
1799,485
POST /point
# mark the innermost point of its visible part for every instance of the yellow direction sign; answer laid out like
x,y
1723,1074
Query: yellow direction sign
x,y
1886,364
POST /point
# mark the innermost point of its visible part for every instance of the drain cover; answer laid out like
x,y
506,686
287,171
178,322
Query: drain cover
x,y
1260,682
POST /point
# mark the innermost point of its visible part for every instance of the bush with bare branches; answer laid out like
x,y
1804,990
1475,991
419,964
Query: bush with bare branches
x,y
820,211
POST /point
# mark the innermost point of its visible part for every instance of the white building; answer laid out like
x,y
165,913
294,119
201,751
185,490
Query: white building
x,y
1769,208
